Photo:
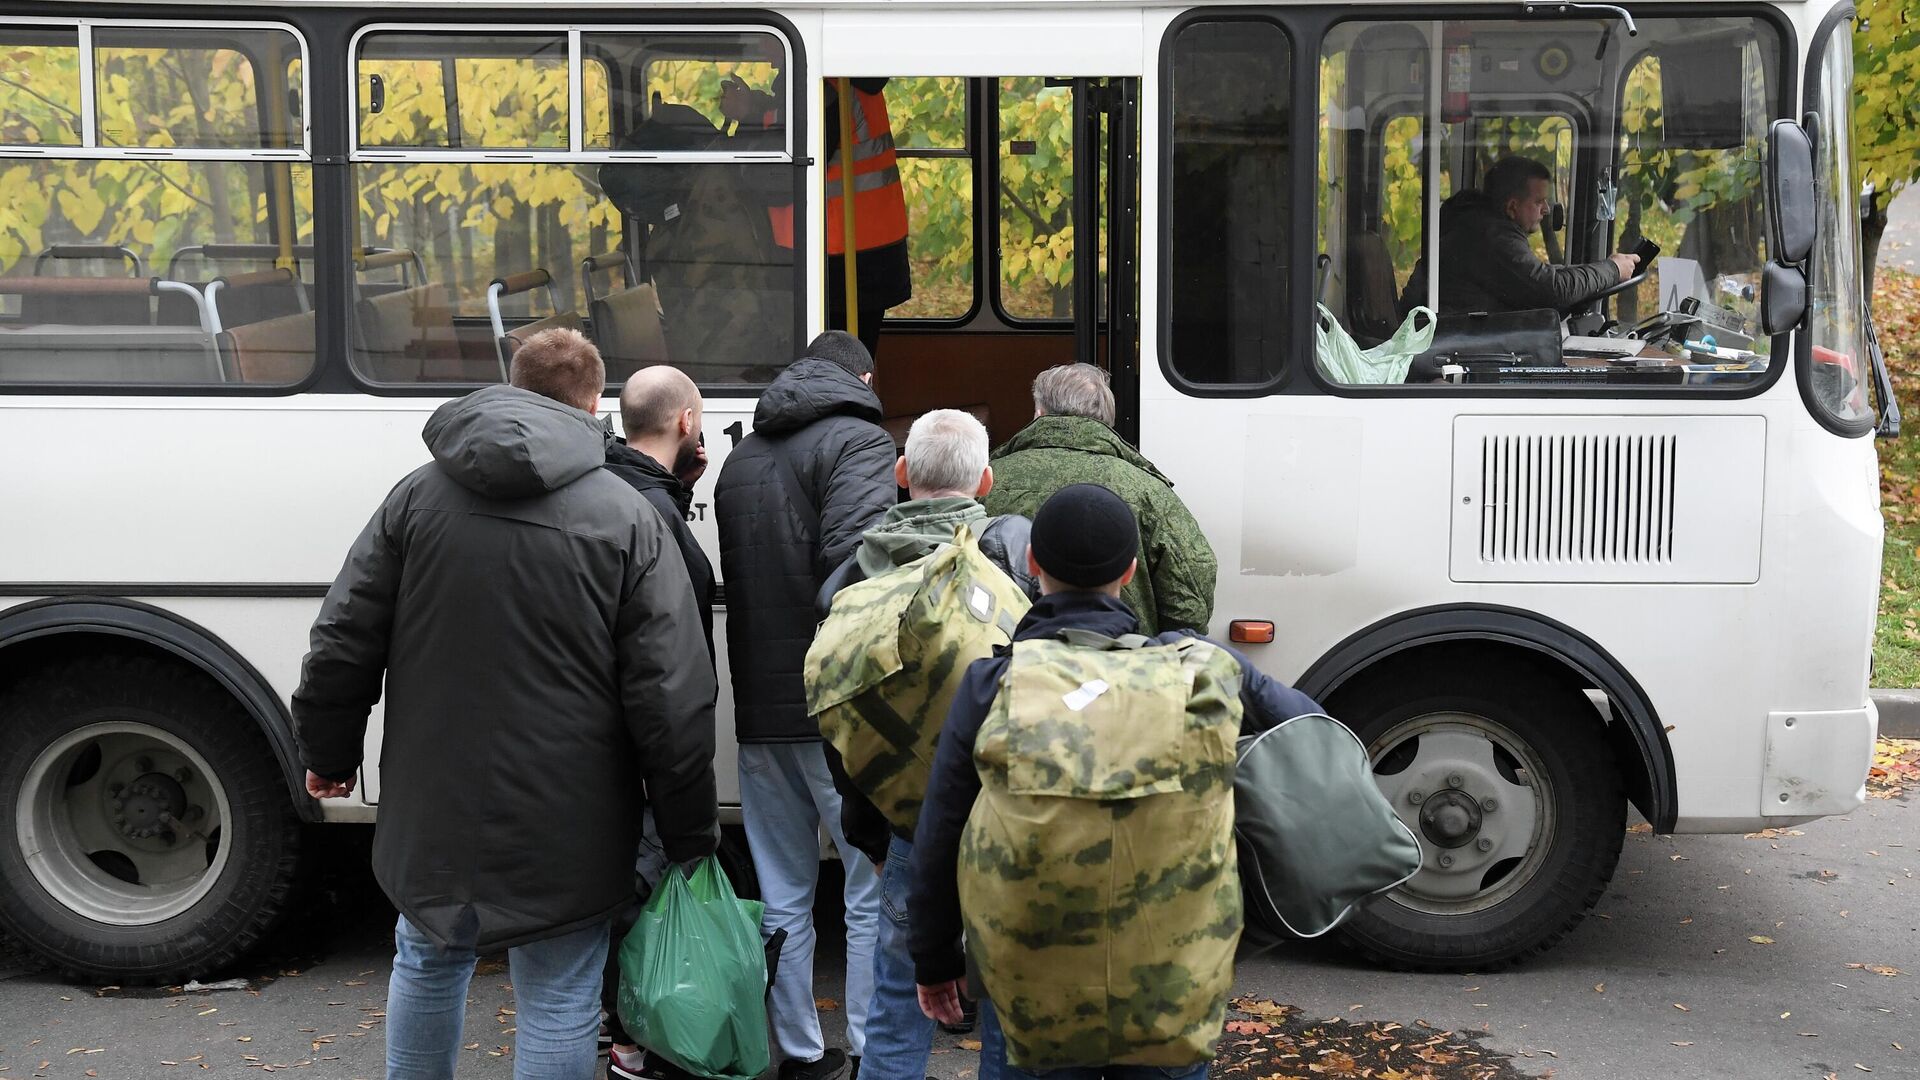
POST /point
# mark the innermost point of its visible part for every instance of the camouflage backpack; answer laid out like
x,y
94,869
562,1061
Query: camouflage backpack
x,y
884,666
1097,870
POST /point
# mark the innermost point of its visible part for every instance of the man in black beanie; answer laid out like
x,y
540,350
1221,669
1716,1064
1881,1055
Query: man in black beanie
x,y
791,504
1050,874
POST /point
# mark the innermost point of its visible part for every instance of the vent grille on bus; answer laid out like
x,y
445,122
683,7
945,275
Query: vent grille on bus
x,y
1578,498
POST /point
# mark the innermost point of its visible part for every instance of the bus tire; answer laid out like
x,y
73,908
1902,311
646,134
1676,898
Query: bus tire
x,y
163,845
1512,789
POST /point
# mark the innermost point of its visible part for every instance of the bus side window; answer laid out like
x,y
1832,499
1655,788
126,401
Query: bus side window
x,y
470,164
173,246
1228,206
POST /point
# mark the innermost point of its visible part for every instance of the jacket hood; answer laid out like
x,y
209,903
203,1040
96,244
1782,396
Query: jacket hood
x,y
912,530
811,390
1473,209
1093,611
507,443
1077,433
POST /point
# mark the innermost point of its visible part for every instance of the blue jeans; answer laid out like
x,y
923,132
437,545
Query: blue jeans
x,y
994,1066
899,1035
556,985
786,793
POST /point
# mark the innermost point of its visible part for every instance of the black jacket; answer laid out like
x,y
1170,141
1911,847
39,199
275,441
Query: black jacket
x,y
674,502
540,649
1003,540
933,894
1488,265
791,503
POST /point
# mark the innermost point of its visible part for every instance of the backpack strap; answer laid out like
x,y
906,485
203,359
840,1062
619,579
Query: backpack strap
x,y
1088,639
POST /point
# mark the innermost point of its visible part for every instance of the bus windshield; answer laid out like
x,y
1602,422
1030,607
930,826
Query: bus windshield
x,y
1510,168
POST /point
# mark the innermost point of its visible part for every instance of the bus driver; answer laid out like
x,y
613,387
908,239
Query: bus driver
x,y
1490,266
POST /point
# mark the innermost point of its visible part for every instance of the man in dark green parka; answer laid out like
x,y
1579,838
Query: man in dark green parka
x,y
1072,441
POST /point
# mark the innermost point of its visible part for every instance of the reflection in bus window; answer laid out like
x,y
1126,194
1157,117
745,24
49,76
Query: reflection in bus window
x,y
40,95
936,170
159,87
1228,202
658,236
156,269
1529,222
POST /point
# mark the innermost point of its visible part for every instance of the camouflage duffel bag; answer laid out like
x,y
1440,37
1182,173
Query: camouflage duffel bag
x,y
1097,869
886,663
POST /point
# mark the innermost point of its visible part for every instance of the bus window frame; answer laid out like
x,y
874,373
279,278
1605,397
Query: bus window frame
x,y
1297,26
1306,28
1787,75
90,148
342,375
973,141
1823,38
575,151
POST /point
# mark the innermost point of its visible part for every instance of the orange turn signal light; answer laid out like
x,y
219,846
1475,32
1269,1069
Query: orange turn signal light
x,y
1250,632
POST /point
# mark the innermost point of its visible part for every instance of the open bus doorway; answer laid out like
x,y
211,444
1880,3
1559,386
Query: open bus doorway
x,y
1001,177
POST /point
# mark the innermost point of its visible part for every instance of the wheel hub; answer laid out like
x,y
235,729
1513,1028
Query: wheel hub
x,y
1450,819
148,807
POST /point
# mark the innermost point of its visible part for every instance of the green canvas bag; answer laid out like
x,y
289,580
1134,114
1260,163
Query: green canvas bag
x,y
885,665
1316,836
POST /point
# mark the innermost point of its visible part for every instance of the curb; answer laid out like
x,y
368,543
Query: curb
x,y
1899,713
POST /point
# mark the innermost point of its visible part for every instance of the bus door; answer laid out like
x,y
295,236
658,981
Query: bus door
x,y
1001,177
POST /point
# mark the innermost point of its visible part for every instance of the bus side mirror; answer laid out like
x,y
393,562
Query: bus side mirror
x,y
1790,191
1783,298
1557,217
1791,227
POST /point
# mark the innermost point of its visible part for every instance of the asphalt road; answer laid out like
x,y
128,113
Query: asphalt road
x,y
1666,982
1900,245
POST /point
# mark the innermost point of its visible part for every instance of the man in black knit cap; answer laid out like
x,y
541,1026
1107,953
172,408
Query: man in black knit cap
x,y
1076,764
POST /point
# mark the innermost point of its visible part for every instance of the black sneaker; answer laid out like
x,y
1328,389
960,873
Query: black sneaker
x,y
830,1065
853,1067
969,1016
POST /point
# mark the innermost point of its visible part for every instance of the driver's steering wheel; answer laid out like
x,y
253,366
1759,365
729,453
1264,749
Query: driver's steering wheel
x,y
1593,302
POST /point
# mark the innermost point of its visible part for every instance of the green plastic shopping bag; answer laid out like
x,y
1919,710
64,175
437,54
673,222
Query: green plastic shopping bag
x,y
1344,361
693,976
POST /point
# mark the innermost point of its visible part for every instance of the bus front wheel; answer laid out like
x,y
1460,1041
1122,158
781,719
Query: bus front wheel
x,y
1512,790
149,837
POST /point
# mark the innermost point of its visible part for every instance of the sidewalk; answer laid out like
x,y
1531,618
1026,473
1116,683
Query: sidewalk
x,y
1899,713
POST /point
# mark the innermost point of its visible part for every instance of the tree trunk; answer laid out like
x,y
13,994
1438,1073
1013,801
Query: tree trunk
x,y
1873,225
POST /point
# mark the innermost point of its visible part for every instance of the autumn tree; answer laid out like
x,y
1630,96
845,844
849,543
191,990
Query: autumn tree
x,y
1886,112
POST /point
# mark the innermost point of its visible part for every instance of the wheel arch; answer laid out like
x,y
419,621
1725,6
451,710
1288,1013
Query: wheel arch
x,y
1574,656
61,620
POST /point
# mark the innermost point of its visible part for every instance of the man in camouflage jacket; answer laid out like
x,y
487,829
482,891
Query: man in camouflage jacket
x,y
945,472
1072,441
1083,550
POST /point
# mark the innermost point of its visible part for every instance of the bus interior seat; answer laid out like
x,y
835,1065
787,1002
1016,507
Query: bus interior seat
x,y
277,350
627,324
628,328
257,297
60,353
82,307
1371,313
408,335
511,341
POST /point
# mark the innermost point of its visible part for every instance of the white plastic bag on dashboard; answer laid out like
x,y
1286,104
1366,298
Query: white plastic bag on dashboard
x,y
1343,360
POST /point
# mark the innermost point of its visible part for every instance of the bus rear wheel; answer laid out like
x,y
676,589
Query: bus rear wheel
x,y
1512,790
150,837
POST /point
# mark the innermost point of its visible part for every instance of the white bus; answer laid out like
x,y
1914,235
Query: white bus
x,y
1624,553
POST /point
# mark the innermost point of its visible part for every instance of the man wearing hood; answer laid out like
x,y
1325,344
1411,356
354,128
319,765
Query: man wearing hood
x,y
1488,260
792,502
1072,441
530,615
